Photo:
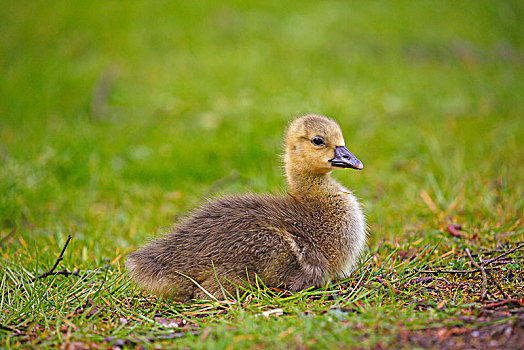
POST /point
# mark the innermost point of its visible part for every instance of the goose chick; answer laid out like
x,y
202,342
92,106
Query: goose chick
x,y
304,238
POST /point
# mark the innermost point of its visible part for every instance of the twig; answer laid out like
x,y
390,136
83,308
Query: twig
x,y
486,262
481,268
51,272
501,303
425,279
63,272
456,271
492,251
497,284
503,262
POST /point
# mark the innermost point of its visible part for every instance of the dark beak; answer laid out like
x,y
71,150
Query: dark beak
x,y
345,159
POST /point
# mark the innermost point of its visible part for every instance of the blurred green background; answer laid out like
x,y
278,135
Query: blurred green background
x,y
117,117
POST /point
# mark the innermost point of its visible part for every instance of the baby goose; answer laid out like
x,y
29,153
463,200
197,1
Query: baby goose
x,y
314,233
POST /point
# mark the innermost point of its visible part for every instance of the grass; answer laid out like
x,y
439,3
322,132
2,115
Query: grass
x,y
118,118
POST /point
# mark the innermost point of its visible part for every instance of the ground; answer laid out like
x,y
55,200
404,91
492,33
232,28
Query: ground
x,y
117,118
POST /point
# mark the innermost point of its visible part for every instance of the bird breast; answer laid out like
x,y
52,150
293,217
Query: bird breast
x,y
353,235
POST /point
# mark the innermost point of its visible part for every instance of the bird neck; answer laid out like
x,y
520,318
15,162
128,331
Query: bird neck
x,y
305,185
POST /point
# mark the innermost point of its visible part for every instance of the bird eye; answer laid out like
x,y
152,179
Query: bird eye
x,y
318,141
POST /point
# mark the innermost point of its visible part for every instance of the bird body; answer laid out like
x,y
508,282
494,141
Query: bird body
x,y
304,238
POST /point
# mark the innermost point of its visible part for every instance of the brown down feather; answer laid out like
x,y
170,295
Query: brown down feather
x,y
297,240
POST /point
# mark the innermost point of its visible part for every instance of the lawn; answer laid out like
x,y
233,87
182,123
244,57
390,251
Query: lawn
x,y
117,118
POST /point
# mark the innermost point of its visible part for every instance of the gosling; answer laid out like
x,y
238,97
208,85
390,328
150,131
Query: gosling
x,y
302,239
